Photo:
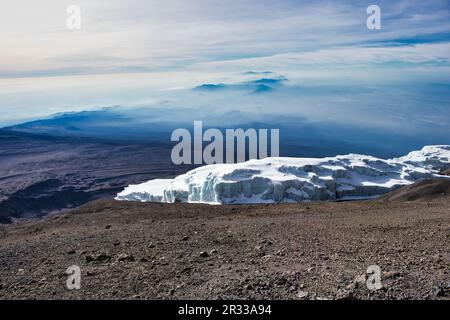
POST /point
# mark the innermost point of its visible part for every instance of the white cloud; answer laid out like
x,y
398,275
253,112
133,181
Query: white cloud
x,y
171,34
345,56
128,51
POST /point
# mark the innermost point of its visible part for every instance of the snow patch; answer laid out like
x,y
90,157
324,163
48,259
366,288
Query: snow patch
x,y
281,179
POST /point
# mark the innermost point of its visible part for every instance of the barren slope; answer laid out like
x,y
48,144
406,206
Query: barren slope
x,y
154,251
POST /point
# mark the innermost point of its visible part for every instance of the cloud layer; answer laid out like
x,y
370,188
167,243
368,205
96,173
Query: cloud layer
x,y
152,53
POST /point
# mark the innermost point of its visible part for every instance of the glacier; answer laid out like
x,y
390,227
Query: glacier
x,y
283,179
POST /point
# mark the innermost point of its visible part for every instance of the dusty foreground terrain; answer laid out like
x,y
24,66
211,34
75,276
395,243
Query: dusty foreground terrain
x,y
167,251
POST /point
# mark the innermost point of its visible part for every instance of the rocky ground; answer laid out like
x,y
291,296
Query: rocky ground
x,y
43,174
129,250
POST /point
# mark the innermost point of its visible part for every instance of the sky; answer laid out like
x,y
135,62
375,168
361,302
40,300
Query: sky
x,y
328,66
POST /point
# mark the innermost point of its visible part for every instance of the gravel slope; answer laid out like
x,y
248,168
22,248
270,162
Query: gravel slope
x,y
129,250
421,190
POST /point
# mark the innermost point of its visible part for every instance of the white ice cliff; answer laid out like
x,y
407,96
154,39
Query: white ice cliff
x,y
281,179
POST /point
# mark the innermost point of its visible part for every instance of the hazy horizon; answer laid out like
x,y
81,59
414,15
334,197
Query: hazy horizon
x,y
315,61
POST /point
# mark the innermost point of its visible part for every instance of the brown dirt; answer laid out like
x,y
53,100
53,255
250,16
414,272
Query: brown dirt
x,y
129,250
420,191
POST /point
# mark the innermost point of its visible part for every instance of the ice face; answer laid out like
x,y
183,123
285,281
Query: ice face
x,y
281,179
431,157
